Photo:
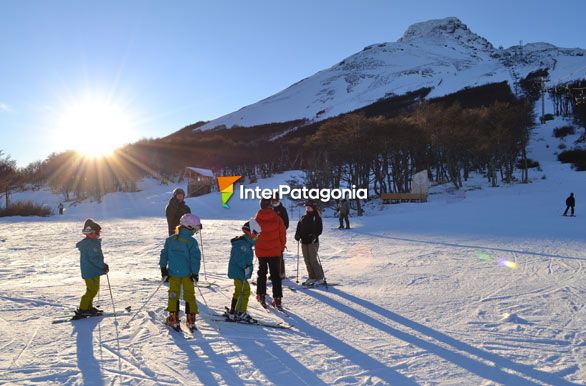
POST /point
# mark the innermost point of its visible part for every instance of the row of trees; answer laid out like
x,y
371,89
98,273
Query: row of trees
x,y
72,175
448,141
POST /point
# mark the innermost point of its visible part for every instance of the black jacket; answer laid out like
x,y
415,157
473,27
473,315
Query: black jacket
x,y
174,211
309,228
282,212
571,201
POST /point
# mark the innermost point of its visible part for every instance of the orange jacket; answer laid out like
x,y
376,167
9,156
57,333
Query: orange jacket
x,y
273,237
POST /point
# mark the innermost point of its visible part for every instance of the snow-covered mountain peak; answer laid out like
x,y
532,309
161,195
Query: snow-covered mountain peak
x,y
442,55
441,29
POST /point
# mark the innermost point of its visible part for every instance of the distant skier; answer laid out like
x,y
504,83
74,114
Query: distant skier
x,y
343,213
269,247
570,203
175,209
92,266
282,212
309,228
240,269
180,260
61,208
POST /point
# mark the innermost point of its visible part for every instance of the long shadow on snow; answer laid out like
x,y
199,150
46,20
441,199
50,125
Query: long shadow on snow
x,y
87,363
364,361
291,369
469,246
198,365
494,373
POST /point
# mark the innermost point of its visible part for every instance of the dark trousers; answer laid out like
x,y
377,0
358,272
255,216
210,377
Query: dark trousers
x,y
568,207
344,218
272,264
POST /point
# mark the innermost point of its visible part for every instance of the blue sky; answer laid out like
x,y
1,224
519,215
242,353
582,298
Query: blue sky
x,y
172,63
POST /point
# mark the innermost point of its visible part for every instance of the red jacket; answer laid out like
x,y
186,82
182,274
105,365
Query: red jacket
x,y
273,237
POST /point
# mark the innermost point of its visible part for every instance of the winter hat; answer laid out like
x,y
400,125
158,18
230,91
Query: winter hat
x,y
252,227
178,191
265,203
310,203
90,226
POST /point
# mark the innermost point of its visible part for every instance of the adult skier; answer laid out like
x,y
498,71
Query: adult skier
x,y
309,228
570,203
268,250
92,266
179,261
343,213
175,209
282,212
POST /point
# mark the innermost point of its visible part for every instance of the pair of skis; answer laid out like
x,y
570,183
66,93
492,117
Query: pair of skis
x,y
225,317
78,316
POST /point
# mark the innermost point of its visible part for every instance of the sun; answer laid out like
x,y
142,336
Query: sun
x,y
94,127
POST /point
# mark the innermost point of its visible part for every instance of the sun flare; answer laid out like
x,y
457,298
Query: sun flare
x,y
94,127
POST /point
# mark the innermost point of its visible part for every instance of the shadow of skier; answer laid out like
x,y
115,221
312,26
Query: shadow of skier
x,y
90,367
454,355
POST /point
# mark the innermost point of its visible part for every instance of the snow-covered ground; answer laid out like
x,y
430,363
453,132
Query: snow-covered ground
x,y
478,287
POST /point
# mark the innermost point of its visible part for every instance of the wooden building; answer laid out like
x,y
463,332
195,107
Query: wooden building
x,y
199,181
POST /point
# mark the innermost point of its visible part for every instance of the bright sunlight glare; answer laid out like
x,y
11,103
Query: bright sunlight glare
x,y
94,127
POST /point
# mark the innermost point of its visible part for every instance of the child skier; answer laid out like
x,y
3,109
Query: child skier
x,y
240,269
91,261
180,259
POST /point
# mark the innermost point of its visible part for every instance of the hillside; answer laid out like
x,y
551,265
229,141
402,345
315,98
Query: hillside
x,y
443,55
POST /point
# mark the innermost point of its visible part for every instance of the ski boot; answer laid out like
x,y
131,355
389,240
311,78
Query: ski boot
x,y
231,314
173,320
277,304
261,298
244,317
191,322
308,283
96,311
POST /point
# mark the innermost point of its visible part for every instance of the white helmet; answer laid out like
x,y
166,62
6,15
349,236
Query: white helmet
x,y
252,226
190,221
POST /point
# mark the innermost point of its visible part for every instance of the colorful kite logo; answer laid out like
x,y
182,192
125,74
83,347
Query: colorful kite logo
x,y
226,185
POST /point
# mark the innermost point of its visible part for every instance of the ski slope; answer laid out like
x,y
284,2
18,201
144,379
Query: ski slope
x,y
483,286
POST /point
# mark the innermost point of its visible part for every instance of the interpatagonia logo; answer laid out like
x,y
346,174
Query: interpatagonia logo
x,y
226,185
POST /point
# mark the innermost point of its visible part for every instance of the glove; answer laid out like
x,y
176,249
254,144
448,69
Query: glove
x,y
248,271
194,277
164,272
106,268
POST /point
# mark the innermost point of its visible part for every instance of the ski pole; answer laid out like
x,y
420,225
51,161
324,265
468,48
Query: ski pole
x,y
112,297
322,268
145,303
208,307
203,259
297,280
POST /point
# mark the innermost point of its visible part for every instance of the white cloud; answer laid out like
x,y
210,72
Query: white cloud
x,y
5,108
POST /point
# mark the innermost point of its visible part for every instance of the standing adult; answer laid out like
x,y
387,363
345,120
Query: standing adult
x,y
175,209
61,208
344,213
570,203
309,228
280,209
269,247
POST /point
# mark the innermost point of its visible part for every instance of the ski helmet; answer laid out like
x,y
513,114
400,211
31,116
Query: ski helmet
x,y
252,226
90,226
190,221
265,203
178,191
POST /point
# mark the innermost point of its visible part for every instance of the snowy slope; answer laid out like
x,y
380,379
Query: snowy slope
x,y
427,294
440,54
